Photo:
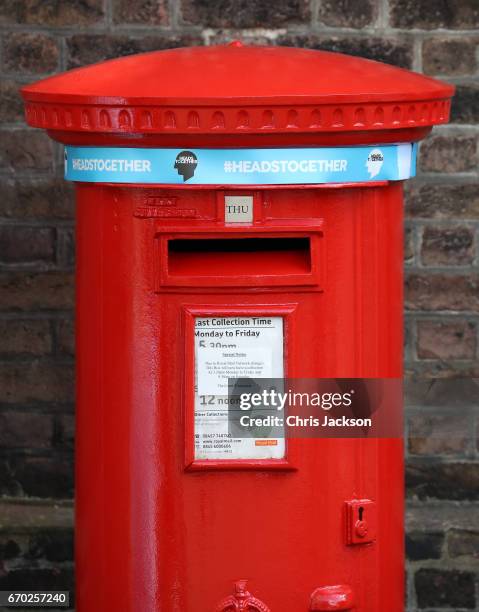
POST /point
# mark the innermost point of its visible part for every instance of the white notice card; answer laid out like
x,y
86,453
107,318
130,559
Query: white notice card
x,y
217,365
233,347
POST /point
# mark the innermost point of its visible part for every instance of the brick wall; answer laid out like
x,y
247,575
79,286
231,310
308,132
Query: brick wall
x,y
40,37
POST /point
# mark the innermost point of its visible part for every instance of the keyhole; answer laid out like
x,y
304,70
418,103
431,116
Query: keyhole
x,y
360,511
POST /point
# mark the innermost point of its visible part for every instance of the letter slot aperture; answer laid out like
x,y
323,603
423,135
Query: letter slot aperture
x,y
240,256
234,261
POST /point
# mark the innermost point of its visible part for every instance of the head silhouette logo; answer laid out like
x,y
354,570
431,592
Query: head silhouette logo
x,y
375,162
185,164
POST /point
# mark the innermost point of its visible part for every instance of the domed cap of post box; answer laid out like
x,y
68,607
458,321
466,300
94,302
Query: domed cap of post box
x,y
236,89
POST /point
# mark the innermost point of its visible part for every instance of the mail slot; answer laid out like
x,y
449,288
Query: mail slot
x,y
239,216
240,261
239,256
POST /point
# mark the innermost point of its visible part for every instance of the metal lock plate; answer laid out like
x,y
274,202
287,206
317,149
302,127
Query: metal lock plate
x,y
361,521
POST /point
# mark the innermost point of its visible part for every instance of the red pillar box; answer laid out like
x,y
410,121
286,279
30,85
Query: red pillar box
x,y
239,209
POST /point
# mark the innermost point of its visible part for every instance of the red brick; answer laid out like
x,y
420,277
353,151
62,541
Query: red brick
x,y
464,543
65,431
443,588
457,480
45,199
20,244
42,291
449,57
430,14
245,14
454,153
442,292
56,13
458,392
442,200
55,545
409,250
465,104
25,430
347,13
38,477
451,246
421,546
446,340
439,434
66,248
38,381
25,150
148,12
66,337
13,546
28,52
25,336
11,105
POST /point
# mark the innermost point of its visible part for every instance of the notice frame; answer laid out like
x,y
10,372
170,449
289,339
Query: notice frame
x,y
190,314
